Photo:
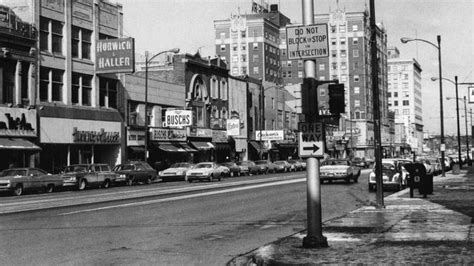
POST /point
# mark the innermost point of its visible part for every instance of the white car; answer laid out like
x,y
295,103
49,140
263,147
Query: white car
x,y
205,171
338,169
176,171
394,175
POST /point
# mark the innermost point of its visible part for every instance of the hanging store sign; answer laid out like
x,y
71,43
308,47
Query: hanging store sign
x,y
178,118
233,127
166,134
17,122
115,56
307,42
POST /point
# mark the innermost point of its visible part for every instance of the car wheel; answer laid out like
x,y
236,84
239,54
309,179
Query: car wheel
x,y
82,184
148,180
49,188
219,178
211,177
232,174
238,173
129,181
106,183
18,190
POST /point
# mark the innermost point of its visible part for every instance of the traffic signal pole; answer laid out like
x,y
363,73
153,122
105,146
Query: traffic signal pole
x,y
314,237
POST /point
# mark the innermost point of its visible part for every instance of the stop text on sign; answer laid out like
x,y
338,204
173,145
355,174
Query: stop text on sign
x,y
307,42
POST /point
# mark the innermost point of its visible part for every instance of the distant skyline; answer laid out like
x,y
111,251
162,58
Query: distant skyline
x,y
159,25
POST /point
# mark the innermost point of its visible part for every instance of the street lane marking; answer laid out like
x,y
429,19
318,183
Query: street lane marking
x,y
187,196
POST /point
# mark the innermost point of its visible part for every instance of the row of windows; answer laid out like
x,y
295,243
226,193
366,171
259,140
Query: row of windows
x,y
343,53
52,88
395,94
342,41
404,102
217,90
405,111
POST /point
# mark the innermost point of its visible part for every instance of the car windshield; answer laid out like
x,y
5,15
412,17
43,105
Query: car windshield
x,y
75,168
180,165
336,162
388,166
204,165
279,162
121,167
13,172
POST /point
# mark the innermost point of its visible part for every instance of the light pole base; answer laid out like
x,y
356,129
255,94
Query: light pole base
x,y
315,242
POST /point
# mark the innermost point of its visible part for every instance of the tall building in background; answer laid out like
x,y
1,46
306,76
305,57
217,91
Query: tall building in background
x,y
349,63
405,100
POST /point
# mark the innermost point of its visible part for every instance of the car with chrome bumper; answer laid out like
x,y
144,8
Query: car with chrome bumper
x,y
81,176
176,171
133,172
338,169
205,171
18,180
394,175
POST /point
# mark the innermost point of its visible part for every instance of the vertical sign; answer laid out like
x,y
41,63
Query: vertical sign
x,y
115,56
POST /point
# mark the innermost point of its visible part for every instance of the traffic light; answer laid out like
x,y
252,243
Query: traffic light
x,y
309,96
336,98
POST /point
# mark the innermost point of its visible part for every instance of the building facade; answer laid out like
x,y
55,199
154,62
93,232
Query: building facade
x,y
405,100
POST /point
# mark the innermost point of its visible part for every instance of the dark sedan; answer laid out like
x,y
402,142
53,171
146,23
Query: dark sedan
x,y
135,172
234,169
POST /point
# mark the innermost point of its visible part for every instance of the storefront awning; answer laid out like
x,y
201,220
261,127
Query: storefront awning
x,y
175,147
222,146
259,146
17,144
202,146
137,148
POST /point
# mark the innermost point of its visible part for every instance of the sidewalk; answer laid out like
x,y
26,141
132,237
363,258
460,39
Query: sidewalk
x,y
433,230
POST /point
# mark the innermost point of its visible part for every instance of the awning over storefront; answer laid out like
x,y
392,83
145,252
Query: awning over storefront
x,y
137,148
202,146
175,147
259,146
222,146
17,144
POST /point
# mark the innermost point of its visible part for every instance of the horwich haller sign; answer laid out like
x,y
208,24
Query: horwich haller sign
x,y
115,56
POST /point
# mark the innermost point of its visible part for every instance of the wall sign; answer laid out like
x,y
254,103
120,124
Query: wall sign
x,y
115,55
95,137
166,134
178,118
17,122
269,135
233,127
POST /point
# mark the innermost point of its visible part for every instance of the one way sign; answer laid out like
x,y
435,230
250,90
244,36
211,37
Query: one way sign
x,y
311,140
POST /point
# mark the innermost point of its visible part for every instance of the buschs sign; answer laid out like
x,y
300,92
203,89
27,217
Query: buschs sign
x,y
178,118
115,55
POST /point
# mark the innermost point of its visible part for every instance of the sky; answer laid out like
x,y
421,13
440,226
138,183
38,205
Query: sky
x,y
159,25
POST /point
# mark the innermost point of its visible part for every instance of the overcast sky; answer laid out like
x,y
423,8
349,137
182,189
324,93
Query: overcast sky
x,y
159,25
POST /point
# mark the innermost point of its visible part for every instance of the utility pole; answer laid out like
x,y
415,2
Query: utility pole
x,y
376,107
314,238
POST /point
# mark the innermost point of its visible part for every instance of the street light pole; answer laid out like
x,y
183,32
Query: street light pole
x,y
147,62
443,147
459,128
467,136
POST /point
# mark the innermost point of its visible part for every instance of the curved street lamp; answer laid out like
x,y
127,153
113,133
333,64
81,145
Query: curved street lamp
x,y
442,148
147,61
465,118
455,82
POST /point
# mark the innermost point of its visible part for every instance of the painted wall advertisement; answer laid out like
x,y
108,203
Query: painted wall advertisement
x,y
115,56
17,122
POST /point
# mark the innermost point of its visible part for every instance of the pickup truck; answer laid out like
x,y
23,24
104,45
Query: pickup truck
x,y
81,176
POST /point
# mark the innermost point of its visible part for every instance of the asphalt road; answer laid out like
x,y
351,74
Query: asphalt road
x,y
200,227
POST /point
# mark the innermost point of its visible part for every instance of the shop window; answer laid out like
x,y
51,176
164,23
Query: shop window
x,y
108,93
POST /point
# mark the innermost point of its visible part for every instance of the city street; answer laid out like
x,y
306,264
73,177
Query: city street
x,y
204,227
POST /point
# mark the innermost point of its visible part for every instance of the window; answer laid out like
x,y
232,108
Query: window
x,y
243,58
343,65
235,71
51,35
81,43
395,103
234,47
406,102
389,94
321,67
300,74
81,89
395,94
333,66
300,63
333,29
333,41
222,47
255,70
222,35
322,78
356,78
244,47
322,92
244,70
406,111
289,63
289,74
243,34
214,88
343,41
357,103
235,58
343,78
333,53
255,46
224,90
355,28
343,53
355,53
108,93
356,90
51,84
342,28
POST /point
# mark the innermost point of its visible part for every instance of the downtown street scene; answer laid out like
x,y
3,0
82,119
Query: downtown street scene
x,y
246,132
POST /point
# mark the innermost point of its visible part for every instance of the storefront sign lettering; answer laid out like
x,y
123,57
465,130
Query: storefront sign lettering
x,y
102,136
17,122
164,134
115,55
178,118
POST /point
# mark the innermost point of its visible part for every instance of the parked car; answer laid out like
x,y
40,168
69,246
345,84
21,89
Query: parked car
x,y
282,166
134,172
248,168
295,165
204,171
394,175
18,180
234,169
265,167
436,163
176,171
338,169
360,162
80,176
303,163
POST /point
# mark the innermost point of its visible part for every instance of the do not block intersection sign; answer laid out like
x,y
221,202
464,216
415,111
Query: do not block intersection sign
x,y
311,140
